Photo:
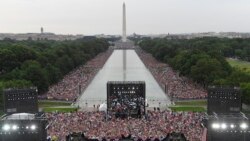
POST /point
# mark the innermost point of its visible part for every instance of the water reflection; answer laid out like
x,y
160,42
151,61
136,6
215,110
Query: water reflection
x,y
113,70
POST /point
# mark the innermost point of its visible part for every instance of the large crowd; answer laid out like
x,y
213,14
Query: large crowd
x,y
154,125
74,83
98,125
71,86
176,86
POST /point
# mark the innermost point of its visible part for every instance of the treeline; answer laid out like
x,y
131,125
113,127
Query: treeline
x,y
203,59
45,62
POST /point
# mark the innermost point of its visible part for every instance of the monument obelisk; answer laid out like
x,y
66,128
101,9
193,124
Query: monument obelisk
x,y
124,37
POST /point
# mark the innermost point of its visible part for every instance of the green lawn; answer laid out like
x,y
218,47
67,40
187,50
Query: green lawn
x,y
243,65
52,103
58,109
192,103
187,108
56,106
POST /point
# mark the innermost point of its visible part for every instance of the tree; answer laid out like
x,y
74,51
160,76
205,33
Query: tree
x,y
32,71
238,76
44,62
65,64
53,74
22,52
245,87
8,61
206,71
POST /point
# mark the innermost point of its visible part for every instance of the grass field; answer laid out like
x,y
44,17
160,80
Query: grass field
x,y
60,109
52,103
243,65
56,106
192,103
187,108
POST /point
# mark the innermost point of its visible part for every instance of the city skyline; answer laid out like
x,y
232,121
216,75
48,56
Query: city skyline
x,y
90,17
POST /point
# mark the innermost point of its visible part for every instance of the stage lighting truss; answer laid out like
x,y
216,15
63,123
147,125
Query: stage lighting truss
x,y
222,126
14,127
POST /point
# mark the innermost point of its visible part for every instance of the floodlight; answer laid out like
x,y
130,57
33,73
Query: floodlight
x,y
232,126
243,126
14,127
223,126
215,126
6,127
33,127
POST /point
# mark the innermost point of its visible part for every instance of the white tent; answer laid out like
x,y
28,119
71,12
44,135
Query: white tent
x,y
103,107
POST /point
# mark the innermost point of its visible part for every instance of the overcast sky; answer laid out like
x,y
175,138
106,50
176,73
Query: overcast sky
x,y
105,16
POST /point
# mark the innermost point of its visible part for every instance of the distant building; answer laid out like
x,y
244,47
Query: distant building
x,y
39,36
41,30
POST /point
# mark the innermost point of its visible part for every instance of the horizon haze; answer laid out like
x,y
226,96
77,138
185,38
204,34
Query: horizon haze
x,y
90,17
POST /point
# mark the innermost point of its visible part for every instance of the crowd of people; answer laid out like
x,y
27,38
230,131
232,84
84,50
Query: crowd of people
x,y
177,87
154,125
98,125
75,82
71,86
126,104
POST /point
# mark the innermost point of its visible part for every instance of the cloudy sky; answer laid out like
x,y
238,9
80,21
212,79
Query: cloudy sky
x,y
105,16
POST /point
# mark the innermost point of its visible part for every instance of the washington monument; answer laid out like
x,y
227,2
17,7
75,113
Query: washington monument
x,y
124,37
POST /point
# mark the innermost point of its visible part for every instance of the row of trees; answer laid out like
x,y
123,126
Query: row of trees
x,y
43,63
203,59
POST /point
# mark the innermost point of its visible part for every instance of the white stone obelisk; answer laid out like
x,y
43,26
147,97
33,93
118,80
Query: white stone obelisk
x,y
124,36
